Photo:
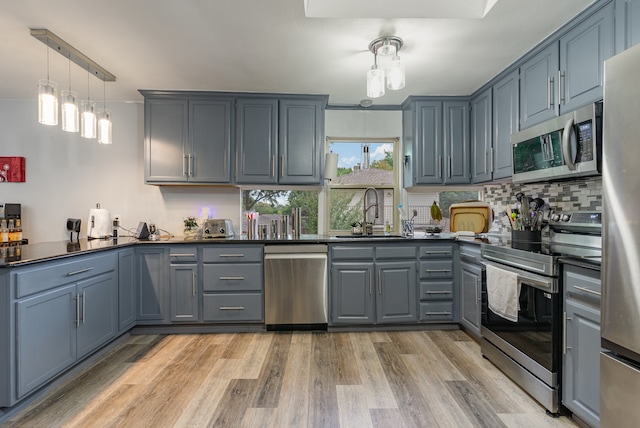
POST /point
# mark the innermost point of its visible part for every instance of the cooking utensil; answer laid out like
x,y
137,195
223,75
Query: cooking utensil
x,y
510,215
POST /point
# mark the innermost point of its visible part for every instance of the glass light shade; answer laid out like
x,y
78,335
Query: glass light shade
x,y
47,102
386,49
396,74
70,113
104,127
88,119
375,83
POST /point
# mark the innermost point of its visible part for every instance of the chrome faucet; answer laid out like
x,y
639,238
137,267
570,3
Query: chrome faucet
x,y
368,230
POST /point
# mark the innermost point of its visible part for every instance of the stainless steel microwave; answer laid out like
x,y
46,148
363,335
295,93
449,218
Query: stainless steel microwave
x,y
564,147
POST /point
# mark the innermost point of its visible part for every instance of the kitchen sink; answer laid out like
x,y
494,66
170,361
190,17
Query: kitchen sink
x,y
370,236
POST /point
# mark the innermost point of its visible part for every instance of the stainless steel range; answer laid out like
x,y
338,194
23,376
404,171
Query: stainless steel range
x,y
528,346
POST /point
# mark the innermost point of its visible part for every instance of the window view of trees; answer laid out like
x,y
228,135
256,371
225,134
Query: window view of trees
x,y
273,204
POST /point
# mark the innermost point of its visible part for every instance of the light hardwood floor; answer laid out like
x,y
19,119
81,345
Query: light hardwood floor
x,y
299,379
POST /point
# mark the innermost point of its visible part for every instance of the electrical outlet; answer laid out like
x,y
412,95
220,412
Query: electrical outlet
x,y
117,219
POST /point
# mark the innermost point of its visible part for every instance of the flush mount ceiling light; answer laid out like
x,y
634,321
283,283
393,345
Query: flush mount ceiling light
x,y
388,70
47,93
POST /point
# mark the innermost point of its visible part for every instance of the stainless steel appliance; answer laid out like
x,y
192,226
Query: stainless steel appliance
x,y
529,348
217,228
620,307
566,146
295,286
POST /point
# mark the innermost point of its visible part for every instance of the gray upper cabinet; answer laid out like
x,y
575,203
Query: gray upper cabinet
x,y
627,24
187,140
279,141
505,122
437,133
567,74
481,142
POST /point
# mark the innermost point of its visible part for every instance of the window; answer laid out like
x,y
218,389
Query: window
x,y
421,202
273,204
363,165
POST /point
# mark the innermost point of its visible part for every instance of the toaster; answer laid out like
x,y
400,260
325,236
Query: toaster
x,y
217,228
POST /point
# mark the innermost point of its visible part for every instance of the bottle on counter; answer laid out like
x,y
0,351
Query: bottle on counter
x,y
18,229
12,230
4,231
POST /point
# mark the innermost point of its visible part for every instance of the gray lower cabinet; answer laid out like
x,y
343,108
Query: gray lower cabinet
x,y
63,312
436,267
471,292
126,289
184,283
279,140
152,294
233,284
581,362
373,284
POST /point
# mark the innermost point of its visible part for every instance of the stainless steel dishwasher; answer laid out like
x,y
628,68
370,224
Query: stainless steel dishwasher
x,y
295,286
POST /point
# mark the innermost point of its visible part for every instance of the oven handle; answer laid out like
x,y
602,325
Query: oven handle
x,y
550,285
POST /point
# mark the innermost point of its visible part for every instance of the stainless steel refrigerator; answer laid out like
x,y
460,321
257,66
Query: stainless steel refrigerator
x,y
620,328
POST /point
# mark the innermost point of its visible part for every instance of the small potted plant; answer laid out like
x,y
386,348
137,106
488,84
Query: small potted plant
x,y
190,227
356,228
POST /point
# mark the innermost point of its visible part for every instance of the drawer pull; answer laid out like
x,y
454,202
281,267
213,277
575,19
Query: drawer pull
x,y
232,255
437,270
438,313
232,308
79,271
438,292
586,290
436,252
183,255
232,278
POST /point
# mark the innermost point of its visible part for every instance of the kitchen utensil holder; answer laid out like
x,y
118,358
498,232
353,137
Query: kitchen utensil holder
x,y
529,240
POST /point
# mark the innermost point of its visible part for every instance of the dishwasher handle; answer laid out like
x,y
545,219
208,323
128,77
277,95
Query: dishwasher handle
x,y
295,256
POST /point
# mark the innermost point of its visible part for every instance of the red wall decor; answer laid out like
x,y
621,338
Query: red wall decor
x,y
12,169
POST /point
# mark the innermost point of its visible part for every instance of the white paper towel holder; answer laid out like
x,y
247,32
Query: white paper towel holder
x,y
330,166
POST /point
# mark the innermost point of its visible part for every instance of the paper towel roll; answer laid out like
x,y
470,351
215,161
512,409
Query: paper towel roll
x,y
99,224
330,166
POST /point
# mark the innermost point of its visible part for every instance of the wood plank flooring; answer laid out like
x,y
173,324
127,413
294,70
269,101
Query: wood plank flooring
x,y
292,379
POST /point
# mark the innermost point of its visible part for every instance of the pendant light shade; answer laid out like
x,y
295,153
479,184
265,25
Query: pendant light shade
x,y
47,102
396,74
375,82
70,113
104,127
88,119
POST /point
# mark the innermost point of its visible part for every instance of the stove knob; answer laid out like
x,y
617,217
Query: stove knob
x,y
565,217
555,217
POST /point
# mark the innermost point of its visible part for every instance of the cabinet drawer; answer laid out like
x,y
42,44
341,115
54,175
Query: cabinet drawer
x,y
351,252
582,282
53,274
183,254
232,277
395,252
232,253
232,307
436,290
436,269
441,250
436,311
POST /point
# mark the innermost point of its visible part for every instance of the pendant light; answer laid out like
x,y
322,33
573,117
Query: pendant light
x,y
388,69
104,119
70,115
47,99
88,115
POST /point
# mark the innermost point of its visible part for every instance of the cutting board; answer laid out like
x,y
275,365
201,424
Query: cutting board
x,y
470,216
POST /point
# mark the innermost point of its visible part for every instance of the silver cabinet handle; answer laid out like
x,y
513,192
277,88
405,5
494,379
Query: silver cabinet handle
x,y
379,284
476,281
232,255
486,155
189,162
438,313
449,166
370,283
232,278
193,282
561,86
436,252
438,292
565,348
272,168
232,308
492,152
586,290
549,90
184,161
281,166
437,270
79,271
84,307
440,166
182,255
77,310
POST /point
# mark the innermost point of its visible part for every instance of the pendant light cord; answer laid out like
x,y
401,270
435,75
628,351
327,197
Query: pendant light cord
x,y
88,91
47,62
69,73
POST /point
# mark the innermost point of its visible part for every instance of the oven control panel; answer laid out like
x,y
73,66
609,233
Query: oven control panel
x,y
576,221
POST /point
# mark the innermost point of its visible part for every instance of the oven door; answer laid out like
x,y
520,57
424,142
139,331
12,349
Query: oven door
x,y
534,340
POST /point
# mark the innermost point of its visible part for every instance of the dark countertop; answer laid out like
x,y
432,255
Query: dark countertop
x,y
45,251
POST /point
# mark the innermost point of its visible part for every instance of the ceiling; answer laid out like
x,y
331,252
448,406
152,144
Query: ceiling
x,y
261,46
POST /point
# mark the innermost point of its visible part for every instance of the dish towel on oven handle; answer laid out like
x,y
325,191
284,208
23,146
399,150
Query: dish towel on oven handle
x,y
503,292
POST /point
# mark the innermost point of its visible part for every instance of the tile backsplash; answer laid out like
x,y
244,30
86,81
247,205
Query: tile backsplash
x,y
574,195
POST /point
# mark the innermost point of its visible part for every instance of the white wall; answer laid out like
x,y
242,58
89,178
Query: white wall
x,y
67,175
363,123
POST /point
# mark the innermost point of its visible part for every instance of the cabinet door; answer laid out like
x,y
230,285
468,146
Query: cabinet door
x,y
126,289
581,383
505,123
352,293
165,140
151,271
428,143
210,141
457,158
45,336
396,298
538,87
98,312
471,280
582,54
184,293
481,141
256,141
627,24
300,141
